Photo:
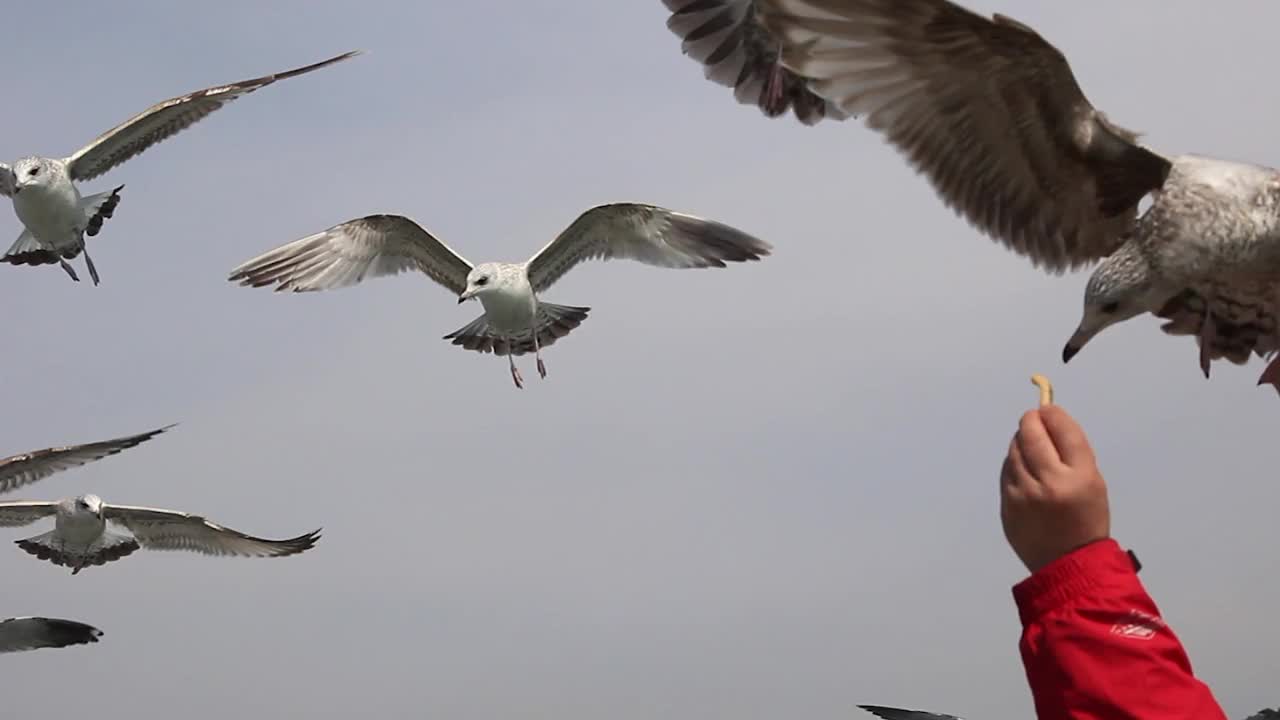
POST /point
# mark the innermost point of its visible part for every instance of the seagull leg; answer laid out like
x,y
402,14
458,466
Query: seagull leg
x,y
1207,329
515,373
70,271
93,272
537,353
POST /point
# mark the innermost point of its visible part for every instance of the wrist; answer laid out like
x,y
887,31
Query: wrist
x,y
1079,572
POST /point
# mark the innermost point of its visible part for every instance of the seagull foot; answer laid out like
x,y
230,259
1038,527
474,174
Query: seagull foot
x,y
1207,331
70,270
515,375
1271,375
542,368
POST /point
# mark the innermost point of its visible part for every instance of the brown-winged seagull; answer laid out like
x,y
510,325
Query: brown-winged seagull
x,y
18,634
80,537
56,218
19,470
515,320
991,113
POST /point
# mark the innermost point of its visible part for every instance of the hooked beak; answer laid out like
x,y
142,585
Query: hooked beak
x,y
465,296
1077,342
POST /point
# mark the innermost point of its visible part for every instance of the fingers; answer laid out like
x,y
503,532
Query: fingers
x,y
1014,477
1035,446
1067,437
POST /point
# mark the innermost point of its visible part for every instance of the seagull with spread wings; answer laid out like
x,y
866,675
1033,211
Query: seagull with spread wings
x,y
18,634
80,537
515,320
992,115
892,713
24,469
55,217
736,51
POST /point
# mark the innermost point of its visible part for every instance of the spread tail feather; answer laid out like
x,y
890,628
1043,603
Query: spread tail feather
x,y
27,250
111,546
99,208
553,323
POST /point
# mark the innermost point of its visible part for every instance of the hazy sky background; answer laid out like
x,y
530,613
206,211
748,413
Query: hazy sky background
x,y
754,493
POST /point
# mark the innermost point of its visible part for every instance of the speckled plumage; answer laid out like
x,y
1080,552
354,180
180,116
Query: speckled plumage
x,y
992,115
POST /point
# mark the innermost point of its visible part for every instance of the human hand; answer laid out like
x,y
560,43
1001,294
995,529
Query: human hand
x,y
1052,497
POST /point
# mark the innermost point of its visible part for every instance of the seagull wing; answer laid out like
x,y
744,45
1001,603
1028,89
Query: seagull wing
x,y
16,513
27,468
346,254
649,234
1265,714
889,713
157,529
987,110
7,180
166,119
31,633
736,51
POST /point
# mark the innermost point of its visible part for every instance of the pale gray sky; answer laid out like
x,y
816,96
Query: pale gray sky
x,y
760,492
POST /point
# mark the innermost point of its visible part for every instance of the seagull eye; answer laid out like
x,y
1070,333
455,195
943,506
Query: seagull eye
x,y
1110,308
33,171
482,281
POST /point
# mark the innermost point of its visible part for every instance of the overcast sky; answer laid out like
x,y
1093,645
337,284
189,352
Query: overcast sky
x,y
761,492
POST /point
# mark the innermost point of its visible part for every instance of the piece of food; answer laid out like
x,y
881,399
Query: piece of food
x,y
1046,389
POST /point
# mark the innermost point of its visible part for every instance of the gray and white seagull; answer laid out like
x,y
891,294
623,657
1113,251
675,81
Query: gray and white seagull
x,y
19,470
18,634
992,115
515,320
82,538
56,218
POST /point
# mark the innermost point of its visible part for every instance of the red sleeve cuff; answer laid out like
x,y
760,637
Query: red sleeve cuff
x,y
1099,564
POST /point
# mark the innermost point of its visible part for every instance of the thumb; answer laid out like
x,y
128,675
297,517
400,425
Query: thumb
x,y
1068,437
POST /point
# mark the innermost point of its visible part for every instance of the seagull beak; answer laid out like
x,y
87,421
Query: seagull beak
x,y
465,296
1075,344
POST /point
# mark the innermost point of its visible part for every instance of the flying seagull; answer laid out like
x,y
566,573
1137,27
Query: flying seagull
x,y
56,218
515,320
80,537
736,51
991,114
892,713
32,633
24,469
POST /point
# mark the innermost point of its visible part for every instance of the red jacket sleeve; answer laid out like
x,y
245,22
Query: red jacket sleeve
x,y
1094,646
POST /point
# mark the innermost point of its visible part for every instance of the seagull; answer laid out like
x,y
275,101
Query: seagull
x,y
32,633
892,713
80,537
736,51
24,469
992,115
55,217
515,320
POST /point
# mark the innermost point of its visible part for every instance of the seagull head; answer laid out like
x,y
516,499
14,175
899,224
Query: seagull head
x,y
89,504
480,280
1121,287
31,172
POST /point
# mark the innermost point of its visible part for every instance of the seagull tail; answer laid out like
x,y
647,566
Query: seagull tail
x,y
553,322
97,209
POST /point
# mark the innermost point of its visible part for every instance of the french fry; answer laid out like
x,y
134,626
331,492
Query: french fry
x,y
1046,388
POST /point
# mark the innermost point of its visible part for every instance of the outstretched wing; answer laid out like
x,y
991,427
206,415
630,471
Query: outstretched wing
x,y
157,529
166,119
27,468
889,713
16,513
7,180
649,234
986,109
736,51
31,633
345,254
